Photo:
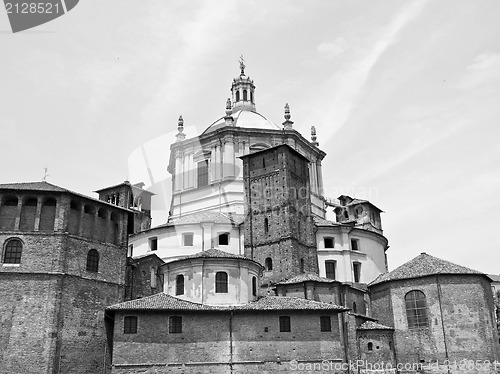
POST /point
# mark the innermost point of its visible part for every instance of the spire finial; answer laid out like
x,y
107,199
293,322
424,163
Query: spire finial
x,y
287,124
229,119
242,65
180,127
313,136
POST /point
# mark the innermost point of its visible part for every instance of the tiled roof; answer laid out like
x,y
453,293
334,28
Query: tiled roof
x,y
48,187
288,303
307,277
494,278
139,257
421,266
370,325
323,222
33,186
214,253
215,217
160,301
163,301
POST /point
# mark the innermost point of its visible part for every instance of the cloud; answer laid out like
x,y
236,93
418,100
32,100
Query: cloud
x,y
350,81
484,70
334,48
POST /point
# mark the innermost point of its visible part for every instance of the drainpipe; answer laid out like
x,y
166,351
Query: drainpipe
x,y
442,320
231,342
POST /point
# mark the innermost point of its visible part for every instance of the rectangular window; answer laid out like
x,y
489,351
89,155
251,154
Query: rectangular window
x,y
224,239
203,173
187,239
130,325
175,325
285,324
153,244
325,323
356,268
355,244
330,269
130,250
221,282
329,242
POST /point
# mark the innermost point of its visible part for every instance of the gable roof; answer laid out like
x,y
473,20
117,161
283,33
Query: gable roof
x,y
422,266
163,301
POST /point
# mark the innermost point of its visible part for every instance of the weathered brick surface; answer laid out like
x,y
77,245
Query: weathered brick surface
x,y
52,308
277,192
461,326
215,342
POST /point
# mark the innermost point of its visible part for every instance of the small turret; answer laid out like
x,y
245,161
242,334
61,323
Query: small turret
x,y
287,125
243,91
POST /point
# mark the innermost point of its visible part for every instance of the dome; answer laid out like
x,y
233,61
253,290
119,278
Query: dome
x,y
245,119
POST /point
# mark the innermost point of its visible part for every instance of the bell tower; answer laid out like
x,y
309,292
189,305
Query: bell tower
x,y
243,91
279,229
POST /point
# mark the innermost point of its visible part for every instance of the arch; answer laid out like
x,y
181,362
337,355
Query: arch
x,y
251,96
28,214
416,309
266,226
13,251
302,266
370,346
245,95
354,307
93,261
269,264
254,286
48,214
221,282
179,285
8,212
101,213
237,96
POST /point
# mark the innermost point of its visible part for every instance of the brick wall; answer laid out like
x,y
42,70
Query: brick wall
x,y
278,223
217,342
461,326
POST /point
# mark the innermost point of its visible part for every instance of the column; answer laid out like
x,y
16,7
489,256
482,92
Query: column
x,y
178,172
229,159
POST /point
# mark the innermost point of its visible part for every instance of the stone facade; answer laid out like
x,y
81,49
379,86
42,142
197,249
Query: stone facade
x,y
52,309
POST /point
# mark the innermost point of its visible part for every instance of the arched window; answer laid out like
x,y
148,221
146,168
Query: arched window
x,y
266,226
302,270
93,261
254,286
237,95
251,96
269,264
221,282
354,307
416,309
13,251
370,346
245,96
179,285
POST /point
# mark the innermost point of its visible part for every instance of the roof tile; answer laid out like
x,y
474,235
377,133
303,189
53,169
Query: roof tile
x,y
421,266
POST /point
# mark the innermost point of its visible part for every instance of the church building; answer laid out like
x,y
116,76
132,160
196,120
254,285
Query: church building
x,y
256,270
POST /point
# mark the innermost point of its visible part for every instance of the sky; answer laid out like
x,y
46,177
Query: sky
x,y
405,97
